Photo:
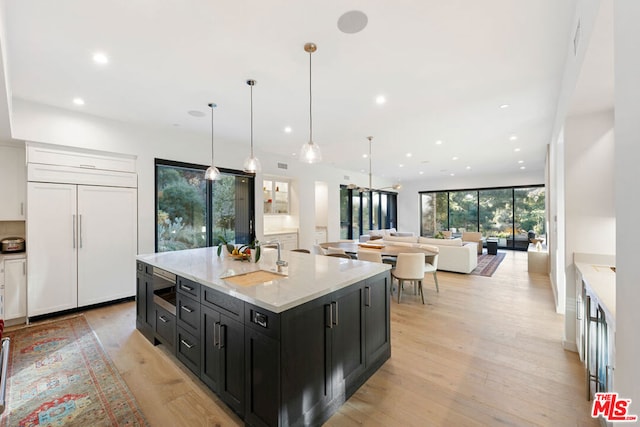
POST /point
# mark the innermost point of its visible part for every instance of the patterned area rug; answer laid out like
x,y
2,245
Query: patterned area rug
x,y
59,375
487,264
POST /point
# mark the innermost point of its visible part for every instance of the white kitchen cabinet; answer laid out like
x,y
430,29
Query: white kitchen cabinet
x,y
13,179
82,241
276,196
288,241
15,288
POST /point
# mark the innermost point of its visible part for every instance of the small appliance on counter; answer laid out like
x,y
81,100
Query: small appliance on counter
x,y
12,245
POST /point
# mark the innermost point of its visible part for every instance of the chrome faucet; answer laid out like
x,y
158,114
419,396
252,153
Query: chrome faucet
x,y
280,262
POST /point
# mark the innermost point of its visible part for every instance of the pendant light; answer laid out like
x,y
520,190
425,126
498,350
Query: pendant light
x,y
251,164
212,172
310,152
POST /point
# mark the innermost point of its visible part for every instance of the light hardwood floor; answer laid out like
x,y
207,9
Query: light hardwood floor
x,y
484,351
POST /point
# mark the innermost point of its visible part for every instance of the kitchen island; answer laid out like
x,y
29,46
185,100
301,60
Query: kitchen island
x,y
286,350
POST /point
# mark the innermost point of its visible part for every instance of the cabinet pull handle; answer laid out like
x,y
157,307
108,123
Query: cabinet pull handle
x,y
80,232
186,344
367,291
187,309
222,329
163,319
216,334
74,231
335,303
328,314
186,288
22,208
88,166
24,268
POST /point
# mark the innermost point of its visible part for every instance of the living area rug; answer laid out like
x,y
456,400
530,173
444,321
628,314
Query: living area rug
x,y
487,264
59,375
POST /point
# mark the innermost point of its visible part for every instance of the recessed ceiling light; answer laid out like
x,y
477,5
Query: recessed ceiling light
x,y
100,58
287,129
452,174
468,168
380,99
513,137
520,161
438,142
362,170
421,172
503,106
409,154
516,150
78,101
400,165
364,156
523,167
195,113
454,158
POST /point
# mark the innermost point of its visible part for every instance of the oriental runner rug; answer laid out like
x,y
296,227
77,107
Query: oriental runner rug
x,y
59,375
487,264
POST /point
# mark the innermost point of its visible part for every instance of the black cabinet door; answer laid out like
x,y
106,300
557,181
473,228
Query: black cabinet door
x,y
347,344
377,319
231,349
262,381
306,356
210,373
141,297
222,367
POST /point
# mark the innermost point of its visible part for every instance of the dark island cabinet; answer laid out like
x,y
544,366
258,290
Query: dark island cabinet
x,y
377,312
293,368
145,306
223,367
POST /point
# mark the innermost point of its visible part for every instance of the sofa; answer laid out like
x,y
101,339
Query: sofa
x,y
455,255
380,234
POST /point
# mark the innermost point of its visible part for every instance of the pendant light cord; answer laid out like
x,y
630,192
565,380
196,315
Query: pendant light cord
x,y
370,187
212,105
310,101
251,121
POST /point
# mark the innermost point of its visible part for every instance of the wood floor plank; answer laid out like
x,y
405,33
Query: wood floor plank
x,y
484,351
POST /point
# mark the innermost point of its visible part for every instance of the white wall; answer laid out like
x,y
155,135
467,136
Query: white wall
x,y
409,199
590,218
556,214
36,122
627,159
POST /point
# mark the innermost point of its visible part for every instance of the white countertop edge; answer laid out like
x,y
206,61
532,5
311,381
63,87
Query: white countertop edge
x,y
237,291
600,286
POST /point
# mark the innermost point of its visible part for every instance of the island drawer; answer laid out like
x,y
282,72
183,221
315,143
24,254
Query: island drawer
x,y
188,350
224,303
165,327
189,287
188,313
144,268
262,321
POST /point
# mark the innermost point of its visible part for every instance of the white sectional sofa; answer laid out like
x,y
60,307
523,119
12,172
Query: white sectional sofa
x,y
382,233
455,255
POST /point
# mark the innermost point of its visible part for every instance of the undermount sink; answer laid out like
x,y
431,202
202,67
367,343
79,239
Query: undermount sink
x,y
253,278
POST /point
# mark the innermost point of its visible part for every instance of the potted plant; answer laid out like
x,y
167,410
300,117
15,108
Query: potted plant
x,y
223,242
252,249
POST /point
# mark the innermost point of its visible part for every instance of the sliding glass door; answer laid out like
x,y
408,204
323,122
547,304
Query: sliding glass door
x,y
508,214
361,211
192,212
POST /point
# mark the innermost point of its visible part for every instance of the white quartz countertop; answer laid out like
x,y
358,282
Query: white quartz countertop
x,y
600,283
282,231
308,276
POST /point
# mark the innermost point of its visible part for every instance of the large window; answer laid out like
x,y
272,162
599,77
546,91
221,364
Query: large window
x,y
508,214
192,212
361,211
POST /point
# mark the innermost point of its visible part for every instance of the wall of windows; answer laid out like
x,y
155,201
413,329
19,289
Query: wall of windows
x,y
192,212
505,213
366,210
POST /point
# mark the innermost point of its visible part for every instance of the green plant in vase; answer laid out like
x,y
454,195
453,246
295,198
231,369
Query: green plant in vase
x,y
223,242
253,246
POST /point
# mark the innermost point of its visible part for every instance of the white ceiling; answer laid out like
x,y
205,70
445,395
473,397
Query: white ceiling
x,y
445,67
